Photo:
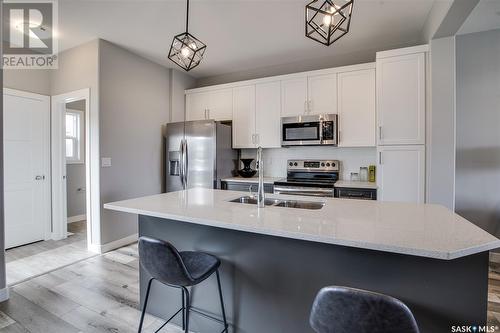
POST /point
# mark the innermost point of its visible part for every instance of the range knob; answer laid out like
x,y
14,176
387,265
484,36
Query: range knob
x,y
295,164
322,164
333,164
327,164
290,164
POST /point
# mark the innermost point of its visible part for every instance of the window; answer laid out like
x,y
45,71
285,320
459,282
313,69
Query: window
x,y
74,137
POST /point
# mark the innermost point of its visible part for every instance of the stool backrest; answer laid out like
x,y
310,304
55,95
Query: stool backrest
x,y
162,261
347,310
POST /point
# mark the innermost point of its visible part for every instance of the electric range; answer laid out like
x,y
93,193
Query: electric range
x,y
309,177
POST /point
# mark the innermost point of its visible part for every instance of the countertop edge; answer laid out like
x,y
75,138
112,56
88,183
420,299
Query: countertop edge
x,y
362,245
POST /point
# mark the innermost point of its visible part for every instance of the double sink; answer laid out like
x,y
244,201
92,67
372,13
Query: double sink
x,y
276,202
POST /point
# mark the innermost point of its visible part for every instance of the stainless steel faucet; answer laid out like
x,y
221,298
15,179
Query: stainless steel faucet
x,y
260,191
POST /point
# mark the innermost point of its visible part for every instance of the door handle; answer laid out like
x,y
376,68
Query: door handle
x,y
186,164
380,157
181,158
380,132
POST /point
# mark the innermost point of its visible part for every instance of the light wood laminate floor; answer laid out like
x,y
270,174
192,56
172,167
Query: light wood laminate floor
x,y
28,261
101,295
96,295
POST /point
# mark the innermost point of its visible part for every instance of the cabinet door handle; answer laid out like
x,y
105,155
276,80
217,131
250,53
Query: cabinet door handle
x,y
309,106
208,113
305,107
380,157
257,139
380,132
253,138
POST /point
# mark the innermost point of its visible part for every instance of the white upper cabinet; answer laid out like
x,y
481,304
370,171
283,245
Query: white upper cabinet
x,y
256,116
268,110
356,108
322,94
196,106
294,97
401,173
244,117
216,104
401,99
221,104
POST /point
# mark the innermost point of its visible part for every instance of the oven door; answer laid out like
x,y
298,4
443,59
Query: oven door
x,y
306,191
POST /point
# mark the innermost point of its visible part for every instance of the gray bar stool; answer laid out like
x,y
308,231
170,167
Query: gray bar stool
x,y
347,310
179,270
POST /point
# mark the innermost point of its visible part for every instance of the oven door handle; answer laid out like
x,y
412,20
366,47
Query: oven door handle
x,y
303,191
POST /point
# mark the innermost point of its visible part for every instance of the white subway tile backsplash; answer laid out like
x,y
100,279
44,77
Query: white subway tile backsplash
x,y
350,158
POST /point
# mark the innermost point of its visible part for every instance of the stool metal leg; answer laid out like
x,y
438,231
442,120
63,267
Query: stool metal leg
x,y
221,302
145,305
188,305
183,311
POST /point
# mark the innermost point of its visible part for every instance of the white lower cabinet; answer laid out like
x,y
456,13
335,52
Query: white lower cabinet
x,y
401,173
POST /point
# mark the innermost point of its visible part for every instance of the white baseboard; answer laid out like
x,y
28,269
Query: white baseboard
x,y
4,294
77,218
96,248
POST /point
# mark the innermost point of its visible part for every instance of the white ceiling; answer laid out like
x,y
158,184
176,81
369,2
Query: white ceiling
x,y
240,34
485,16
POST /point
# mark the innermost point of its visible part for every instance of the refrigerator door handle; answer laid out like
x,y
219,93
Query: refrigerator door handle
x,y
181,162
186,164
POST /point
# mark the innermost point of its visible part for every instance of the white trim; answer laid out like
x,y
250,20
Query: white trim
x,y
114,244
403,51
334,70
59,206
77,218
4,294
80,137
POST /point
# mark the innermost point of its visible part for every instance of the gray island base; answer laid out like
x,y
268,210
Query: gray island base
x,y
269,282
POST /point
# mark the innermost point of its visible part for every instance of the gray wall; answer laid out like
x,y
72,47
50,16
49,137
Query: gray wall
x,y
78,69
75,176
134,103
441,124
478,129
301,66
35,81
179,82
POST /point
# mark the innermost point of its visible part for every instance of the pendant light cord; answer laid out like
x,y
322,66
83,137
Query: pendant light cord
x,y
187,15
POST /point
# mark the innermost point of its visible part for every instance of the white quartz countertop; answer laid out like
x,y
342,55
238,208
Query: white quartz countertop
x,y
413,229
267,180
354,184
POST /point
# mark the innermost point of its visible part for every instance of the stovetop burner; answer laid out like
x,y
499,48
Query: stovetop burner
x,y
311,173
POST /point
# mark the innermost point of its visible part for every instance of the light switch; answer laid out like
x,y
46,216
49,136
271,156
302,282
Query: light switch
x,y
106,162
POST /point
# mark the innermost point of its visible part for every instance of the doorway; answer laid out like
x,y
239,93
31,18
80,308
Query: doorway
x,y
45,182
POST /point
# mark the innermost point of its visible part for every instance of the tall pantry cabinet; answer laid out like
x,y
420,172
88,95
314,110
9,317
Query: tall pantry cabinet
x,y
401,109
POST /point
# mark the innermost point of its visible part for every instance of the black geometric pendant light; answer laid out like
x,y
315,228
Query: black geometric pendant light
x,y
186,50
328,20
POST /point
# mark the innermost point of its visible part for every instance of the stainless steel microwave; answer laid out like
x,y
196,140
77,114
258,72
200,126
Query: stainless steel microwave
x,y
310,130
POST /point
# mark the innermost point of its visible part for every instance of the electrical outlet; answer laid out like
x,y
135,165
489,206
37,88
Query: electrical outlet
x,y
106,162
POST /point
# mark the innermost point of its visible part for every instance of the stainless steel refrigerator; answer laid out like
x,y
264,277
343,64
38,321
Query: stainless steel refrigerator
x,y
199,154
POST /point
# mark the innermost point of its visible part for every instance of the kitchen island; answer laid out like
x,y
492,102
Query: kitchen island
x,y
275,259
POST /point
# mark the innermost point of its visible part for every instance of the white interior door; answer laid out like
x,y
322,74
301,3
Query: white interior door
x,y
27,167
